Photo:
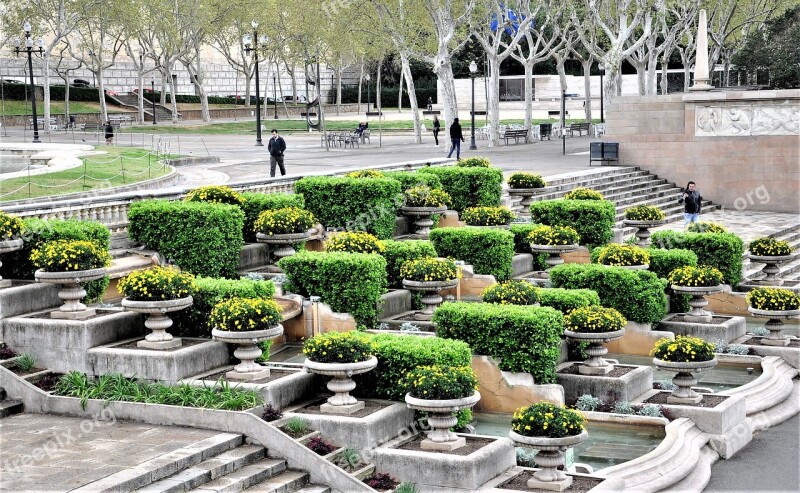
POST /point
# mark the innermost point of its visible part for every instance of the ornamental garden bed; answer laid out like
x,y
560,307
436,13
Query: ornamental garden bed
x,y
618,370
520,483
185,343
709,400
473,444
274,374
714,320
370,407
46,381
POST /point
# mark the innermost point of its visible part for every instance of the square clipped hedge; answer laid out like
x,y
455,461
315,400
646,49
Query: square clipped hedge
x,y
490,251
566,300
348,282
592,219
410,179
200,237
356,204
470,187
207,292
721,250
398,252
256,203
637,295
524,338
399,354
662,261
18,265
521,244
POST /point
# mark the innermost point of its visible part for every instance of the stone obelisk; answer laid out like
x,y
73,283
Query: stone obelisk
x,y
701,59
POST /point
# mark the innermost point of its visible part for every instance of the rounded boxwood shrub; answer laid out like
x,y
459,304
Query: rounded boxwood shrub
x,y
256,203
489,251
354,242
397,253
566,300
70,255
156,284
721,250
706,227
701,276
591,319
487,216
470,187
662,261
424,196
553,235
644,213
474,162
769,247
217,194
512,292
683,349
620,255
411,179
438,383
10,226
429,269
365,173
773,299
245,314
548,420
526,180
289,220
339,347
583,194
592,219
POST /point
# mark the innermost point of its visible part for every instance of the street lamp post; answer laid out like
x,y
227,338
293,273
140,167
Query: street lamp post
x,y
368,92
254,48
602,69
153,98
473,71
30,51
274,98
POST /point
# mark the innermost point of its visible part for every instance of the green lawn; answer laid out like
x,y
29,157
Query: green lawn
x,y
10,107
121,166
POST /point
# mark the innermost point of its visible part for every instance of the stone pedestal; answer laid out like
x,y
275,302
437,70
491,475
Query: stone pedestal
x,y
728,330
684,379
610,389
341,402
549,458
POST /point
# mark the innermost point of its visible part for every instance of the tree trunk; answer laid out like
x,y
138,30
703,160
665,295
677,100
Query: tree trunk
x,y
528,96
360,84
378,87
102,94
173,98
46,88
493,103
66,98
339,90
140,98
562,75
587,88
165,78
444,71
412,96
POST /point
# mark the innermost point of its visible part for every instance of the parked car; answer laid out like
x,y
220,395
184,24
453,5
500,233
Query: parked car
x,y
81,83
300,99
10,81
241,98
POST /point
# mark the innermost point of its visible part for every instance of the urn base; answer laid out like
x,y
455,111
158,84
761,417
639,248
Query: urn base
x,y
247,376
561,485
345,409
428,444
698,319
766,341
78,315
684,400
172,343
595,370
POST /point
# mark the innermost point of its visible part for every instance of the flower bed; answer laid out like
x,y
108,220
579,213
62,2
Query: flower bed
x,y
365,173
354,242
289,220
773,299
10,226
683,350
593,319
438,383
339,347
487,216
547,420
66,255
511,293
474,162
156,284
701,276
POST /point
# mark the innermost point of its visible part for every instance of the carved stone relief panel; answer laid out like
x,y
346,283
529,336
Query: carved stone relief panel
x,y
748,119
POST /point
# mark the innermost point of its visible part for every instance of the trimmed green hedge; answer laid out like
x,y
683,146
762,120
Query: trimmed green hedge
x,y
200,237
489,250
356,204
592,219
638,295
398,252
17,264
566,300
470,187
410,179
256,203
398,354
524,338
721,250
207,292
348,282
521,244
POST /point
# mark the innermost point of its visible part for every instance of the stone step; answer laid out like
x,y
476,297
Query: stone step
x,y
10,407
568,181
209,470
313,488
602,185
165,465
752,270
287,481
266,471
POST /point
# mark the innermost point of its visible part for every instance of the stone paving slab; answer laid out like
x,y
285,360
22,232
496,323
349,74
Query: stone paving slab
x,y
748,225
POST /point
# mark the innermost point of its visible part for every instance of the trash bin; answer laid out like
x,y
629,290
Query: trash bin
x,y
545,130
603,152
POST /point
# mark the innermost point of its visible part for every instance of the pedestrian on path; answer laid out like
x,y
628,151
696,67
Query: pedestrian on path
x,y
692,201
109,133
276,147
437,125
456,138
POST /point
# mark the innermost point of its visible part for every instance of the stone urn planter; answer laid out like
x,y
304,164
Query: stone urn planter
x,y
422,217
157,320
595,364
684,380
430,295
341,402
441,418
284,242
247,351
635,267
554,251
71,291
698,314
643,229
527,195
771,268
774,324
549,458
495,226
8,246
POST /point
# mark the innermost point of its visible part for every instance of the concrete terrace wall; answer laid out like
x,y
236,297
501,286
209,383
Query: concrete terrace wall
x,y
742,148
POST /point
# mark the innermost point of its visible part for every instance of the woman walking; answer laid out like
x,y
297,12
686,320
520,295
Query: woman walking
x,y
436,127
456,138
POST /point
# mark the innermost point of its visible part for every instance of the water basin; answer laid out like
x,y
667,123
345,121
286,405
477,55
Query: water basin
x,y
790,327
608,444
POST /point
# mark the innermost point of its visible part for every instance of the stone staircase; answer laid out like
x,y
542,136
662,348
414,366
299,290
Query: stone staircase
x,y
223,462
132,100
789,271
8,407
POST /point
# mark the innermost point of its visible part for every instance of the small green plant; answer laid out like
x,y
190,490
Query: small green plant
x,y
25,362
474,162
583,194
365,173
700,276
512,292
739,349
354,242
406,487
265,347
664,384
553,235
289,220
349,459
526,457
339,347
706,227
623,407
588,402
769,247
296,425
760,331
436,382
429,269
644,213
652,410
623,255
10,226
487,216
594,319
526,180
156,284
66,255
683,349
245,314
216,194
424,196
547,420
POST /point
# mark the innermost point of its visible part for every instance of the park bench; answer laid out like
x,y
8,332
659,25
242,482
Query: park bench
x,y
40,122
515,134
578,127
119,120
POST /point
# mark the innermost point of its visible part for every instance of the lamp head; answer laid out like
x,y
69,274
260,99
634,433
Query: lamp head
x,y
263,39
16,43
601,67
473,67
366,77
254,24
247,40
27,28
28,42
40,43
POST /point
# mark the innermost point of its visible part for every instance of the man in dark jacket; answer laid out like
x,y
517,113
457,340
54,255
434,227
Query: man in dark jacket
x,y
276,147
692,201
456,138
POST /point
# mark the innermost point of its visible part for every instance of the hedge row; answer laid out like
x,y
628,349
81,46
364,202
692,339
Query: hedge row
x,y
398,252
410,179
566,300
388,95
521,245
592,219
490,251
348,282
721,250
17,265
470,187
524,338
256,203
638,295
20,92
171,229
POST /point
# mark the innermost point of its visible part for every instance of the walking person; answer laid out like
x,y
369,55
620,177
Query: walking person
x,y
276,147
437,125
692,201
456,138
109,133
430,104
